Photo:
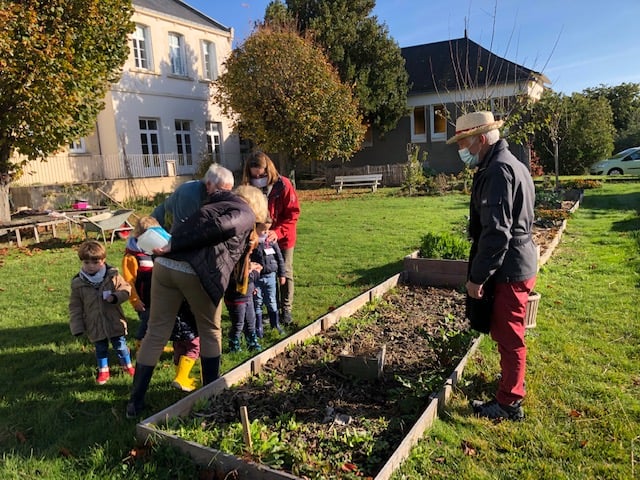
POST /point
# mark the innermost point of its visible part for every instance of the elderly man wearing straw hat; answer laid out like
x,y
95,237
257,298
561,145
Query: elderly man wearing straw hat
x,y
503,258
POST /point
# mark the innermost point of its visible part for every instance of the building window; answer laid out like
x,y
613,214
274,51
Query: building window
x,y
418,125
141,47
176,54
149,141
213,142
183,142
77,146
209,60
438,123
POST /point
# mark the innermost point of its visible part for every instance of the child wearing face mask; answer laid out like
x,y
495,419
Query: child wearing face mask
x,y
95,308
269,255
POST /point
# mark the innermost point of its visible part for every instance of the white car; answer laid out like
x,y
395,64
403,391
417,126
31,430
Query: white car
x,y
624,162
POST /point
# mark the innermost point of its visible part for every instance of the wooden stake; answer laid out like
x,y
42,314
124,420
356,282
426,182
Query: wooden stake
x,y
246,426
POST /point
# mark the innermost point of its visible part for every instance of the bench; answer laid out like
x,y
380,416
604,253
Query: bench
x,y
372,181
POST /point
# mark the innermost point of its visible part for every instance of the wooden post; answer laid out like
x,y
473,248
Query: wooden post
x,y
246,427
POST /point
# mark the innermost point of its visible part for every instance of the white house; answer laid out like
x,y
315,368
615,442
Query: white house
x,y
159,120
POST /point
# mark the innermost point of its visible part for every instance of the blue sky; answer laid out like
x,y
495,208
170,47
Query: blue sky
x,y
576,44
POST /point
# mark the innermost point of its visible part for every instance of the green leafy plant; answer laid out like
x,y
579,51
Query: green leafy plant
x,y
444,246
413,174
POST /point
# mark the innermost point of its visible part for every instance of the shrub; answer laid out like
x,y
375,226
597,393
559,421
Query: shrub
x,y
581,184
445,246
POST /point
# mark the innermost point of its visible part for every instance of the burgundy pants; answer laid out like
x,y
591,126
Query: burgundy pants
x,y
507,330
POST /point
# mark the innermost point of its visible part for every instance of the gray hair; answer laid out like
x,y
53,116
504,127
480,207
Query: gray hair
x,y
219,176
492,136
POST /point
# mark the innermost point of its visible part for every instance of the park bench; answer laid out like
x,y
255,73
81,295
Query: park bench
x,y
342,181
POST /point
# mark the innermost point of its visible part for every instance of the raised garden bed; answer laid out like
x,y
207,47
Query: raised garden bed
x,y
308,418
311,419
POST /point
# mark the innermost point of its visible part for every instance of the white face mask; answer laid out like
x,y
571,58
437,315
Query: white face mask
x,y
259,182
262,237
468,158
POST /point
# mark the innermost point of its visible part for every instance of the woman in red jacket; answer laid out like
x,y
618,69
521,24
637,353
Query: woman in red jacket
x,y
284,209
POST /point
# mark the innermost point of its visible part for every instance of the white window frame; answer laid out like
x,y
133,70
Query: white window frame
x,y
78,146
149,138
209,60
437,136
418,137
177,57
141,40
184,148
214,142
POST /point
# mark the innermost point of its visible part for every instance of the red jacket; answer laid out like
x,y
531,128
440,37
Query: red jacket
x,y
284,210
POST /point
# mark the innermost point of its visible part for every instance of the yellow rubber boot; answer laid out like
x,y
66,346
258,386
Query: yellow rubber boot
x,y
183,381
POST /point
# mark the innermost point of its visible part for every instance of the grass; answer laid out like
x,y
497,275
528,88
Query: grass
x,y
583,382
583,406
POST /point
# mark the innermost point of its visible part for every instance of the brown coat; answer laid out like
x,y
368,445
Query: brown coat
x,y
93,316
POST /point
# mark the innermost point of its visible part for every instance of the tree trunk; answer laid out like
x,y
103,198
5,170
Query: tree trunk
x,y
5,209
557,163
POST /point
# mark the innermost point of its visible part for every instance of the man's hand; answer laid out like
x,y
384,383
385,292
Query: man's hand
x,y
474,290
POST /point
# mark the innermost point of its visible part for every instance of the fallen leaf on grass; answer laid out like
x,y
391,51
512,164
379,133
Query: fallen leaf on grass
x,y
575,414
440,460
467,449
583,443
21,437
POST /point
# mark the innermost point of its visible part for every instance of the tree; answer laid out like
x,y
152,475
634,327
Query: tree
x,y
57,59
624,100
287,98
362,51
578,128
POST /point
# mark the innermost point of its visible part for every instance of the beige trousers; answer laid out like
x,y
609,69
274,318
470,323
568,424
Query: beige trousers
x,y
168,288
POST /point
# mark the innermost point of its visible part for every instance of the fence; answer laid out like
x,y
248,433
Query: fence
x,y
64,169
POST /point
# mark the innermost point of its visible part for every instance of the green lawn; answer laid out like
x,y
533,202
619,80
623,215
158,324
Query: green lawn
x,y
583,383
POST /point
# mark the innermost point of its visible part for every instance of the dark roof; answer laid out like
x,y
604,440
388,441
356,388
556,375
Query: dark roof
x,y
459,64
179,9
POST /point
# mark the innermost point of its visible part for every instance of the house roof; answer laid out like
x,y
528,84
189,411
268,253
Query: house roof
x,y
179,9
460,64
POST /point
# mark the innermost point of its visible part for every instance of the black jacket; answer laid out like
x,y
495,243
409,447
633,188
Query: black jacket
x,y
213,239
501,219
271,262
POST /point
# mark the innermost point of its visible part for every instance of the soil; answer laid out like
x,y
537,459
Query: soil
x,y
425,335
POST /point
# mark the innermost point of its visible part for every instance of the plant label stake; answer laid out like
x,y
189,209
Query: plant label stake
x,y
246,427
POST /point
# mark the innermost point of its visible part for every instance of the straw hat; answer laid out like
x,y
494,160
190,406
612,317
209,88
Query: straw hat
x,y
474,123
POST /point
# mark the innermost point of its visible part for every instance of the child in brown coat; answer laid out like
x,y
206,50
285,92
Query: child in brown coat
x,y
97,293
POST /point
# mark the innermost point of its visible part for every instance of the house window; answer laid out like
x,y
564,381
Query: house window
x,y
149,141
209,60
176,54
141,47
183,142
213,142
77,146
438,123
418,125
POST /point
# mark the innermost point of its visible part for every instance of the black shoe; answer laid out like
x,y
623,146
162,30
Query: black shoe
x,y
498,411
286,317
141,379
